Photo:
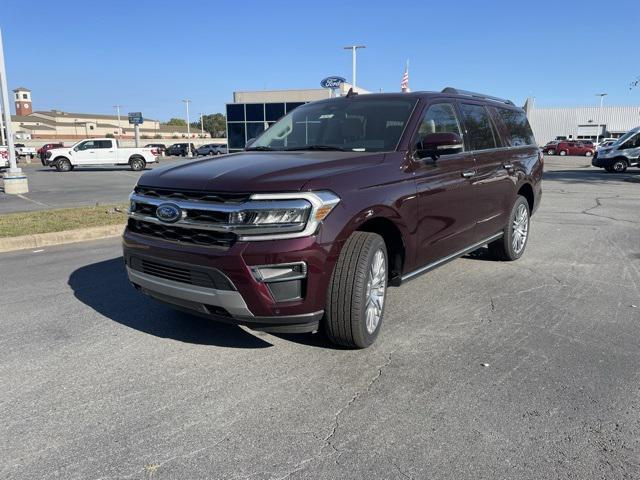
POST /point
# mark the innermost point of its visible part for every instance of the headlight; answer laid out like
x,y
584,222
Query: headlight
x,y
284,215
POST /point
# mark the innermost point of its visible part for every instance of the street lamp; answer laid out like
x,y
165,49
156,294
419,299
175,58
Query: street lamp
x,y
117,107
15,181
601,95
353,49
187,102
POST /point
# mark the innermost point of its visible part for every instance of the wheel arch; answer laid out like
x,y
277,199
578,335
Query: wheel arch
x,y
394,241
526,190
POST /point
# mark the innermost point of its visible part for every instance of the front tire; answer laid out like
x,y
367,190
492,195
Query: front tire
x,y
64,165
562,153
588,153
515,234
357,291
619,166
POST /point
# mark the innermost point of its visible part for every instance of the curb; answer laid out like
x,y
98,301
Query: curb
x,y
39,240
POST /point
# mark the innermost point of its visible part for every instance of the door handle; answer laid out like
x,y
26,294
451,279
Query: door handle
x,y
507,166
468,173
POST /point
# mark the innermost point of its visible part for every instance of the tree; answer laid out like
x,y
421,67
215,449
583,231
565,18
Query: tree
x,y
215,124
635,83
177,122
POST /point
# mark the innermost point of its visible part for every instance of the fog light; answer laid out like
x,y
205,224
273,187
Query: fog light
x,y
281,272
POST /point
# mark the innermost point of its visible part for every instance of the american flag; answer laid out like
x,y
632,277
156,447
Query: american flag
x,y
404,85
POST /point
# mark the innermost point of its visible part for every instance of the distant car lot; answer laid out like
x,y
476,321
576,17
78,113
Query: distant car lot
x,y
82,186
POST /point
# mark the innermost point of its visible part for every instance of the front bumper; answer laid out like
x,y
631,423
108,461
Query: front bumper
x,y
234,296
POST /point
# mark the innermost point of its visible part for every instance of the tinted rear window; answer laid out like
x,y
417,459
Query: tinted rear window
x,y
517,131
479,130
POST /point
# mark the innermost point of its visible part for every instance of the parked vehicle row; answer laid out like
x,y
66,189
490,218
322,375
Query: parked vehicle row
x,y
98,151
212,149
337,201
182,149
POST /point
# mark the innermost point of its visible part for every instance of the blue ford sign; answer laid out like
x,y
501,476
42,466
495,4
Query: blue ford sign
x,y
135,118
332,82
168,212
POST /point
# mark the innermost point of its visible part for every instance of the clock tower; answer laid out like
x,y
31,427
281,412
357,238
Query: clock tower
x,y
22,101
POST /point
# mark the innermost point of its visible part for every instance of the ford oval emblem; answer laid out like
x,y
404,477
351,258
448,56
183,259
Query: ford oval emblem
x,y
168,212
332,82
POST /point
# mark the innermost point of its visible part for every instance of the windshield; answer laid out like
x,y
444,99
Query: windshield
x,y
627,136
356,124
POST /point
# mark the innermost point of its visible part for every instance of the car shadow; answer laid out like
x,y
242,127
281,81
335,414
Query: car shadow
x,y
105,288
590,175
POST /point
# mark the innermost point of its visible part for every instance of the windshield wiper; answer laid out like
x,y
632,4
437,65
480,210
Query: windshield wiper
x,y
259,148
318,147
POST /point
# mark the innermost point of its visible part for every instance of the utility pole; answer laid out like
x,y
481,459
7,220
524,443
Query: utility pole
x,y
353,49
189,153
201,125
601,95
15,181
117,107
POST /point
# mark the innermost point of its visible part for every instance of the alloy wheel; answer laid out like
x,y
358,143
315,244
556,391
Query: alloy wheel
x,y
520,229
375,292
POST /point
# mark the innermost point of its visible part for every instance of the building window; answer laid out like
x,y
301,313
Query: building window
x,y
25,96
90,127
235,112
273,111
255,112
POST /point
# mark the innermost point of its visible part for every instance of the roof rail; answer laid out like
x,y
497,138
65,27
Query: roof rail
x,y
457,91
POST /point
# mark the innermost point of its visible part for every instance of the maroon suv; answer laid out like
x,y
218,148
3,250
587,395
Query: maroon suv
x,y
337,201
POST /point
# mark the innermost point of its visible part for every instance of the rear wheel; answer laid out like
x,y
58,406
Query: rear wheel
x,y
64,165
137,164
619,166
515,234
563,153
551,152
357,291
588,153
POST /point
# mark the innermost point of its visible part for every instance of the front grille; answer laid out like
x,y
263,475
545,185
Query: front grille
x,y
183,235
192,195
210,278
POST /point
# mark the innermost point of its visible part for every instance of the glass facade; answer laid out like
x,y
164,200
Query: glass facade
x,y
246,121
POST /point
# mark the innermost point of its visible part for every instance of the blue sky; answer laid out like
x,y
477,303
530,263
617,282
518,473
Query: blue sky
x,y
146,55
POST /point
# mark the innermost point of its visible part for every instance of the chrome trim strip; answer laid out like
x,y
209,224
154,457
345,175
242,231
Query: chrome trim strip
x,y
221,227
459,253
230,300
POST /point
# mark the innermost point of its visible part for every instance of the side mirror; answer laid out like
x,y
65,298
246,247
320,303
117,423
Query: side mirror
x,y
435,144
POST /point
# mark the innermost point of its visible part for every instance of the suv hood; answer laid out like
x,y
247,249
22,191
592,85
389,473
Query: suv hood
x,y
258,171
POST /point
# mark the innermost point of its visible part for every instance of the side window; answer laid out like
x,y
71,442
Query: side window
x,y
479,130
103,143
633,142
517,131
439,118
87,145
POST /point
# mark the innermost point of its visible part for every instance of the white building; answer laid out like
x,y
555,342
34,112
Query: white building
x,y
580,123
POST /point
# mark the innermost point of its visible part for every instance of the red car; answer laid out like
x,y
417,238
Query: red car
x,y
570,148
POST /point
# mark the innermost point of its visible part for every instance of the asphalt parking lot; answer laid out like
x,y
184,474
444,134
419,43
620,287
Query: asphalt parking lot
x,y
80,187
483,370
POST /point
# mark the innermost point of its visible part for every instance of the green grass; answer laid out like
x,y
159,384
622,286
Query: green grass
x,y
45,221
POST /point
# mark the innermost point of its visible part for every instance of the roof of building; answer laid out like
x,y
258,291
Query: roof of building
x,y
31,119
92,116
21,89
36,127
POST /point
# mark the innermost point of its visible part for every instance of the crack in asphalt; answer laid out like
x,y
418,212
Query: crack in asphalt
x,y
587,211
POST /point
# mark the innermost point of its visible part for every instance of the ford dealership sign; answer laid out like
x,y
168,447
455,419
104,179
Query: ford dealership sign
x,y
332,82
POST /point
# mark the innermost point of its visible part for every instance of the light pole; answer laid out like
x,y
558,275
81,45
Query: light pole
x,y
187,102
201,126
15,182
601,95
117,107
353,49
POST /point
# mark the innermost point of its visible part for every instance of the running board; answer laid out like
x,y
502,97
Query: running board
x,y
448,258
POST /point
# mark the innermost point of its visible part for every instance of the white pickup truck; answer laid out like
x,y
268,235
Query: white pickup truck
x,y
4,156
99,151
23,151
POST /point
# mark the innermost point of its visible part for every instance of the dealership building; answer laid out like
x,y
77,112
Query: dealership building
x,y
581,123
252,112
